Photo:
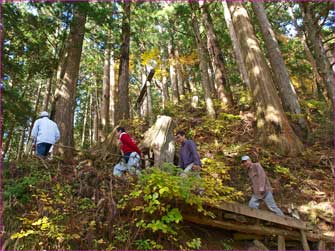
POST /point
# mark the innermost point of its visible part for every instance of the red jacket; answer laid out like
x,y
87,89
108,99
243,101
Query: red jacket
x,y
128,144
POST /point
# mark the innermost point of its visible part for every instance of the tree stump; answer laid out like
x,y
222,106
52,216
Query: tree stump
x,y
160,140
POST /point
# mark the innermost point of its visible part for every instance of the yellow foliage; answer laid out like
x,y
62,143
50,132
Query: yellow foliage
x,y
147,56
190,59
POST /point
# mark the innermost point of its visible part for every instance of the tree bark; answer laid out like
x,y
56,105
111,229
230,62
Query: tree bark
x,y
143,108
83,134
20,147
123,101
95,117
65,104
47,95
112,89
282,79
8,140
29,143
105,91
315,44
160,139
91,120
203,62
236,46
180,78
149,100
165,91
272,123
223,88
173,74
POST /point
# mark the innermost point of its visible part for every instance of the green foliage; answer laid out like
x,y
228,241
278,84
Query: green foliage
x,y
147,245
156,191
16,108
229,117
316,106
194,244
49,231
20,189
227,244
216,174
285,172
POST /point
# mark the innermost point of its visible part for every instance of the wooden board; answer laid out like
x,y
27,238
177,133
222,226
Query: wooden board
x,y
256,229
261,214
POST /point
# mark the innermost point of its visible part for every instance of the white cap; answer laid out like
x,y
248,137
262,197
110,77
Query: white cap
x,y
44,114
245,157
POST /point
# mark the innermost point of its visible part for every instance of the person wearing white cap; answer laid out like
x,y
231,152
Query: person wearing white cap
x,y
261,187
45,133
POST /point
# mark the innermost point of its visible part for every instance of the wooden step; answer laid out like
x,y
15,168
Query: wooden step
x,y
260,214
257,229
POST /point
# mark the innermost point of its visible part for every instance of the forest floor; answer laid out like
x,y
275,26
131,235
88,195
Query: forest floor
x,y
304,183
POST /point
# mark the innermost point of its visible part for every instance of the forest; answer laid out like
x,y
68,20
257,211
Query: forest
x,y
240,78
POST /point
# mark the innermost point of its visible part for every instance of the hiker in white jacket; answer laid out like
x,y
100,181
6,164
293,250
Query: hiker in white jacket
x,y
45,133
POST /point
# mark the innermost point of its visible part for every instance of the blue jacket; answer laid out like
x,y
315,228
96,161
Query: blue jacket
x,y
45,131
188,154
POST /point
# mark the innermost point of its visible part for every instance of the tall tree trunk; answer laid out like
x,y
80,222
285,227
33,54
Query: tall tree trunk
x,y
272,122
91,120
83,134
224,92
8,140
95,117
236,46
211,75
105,91
123,101
47,95
149,98
282,79
309,55
112,89
203,62
180,79
65,104
143,108
20,147
165,91
37,102
314,41
173,73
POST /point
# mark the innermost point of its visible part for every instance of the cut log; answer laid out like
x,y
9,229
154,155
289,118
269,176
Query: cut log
x,y
304,240
159,138
256,229
281,243
261,214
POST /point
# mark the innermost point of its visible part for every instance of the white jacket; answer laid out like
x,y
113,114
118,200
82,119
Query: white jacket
x,y
45,131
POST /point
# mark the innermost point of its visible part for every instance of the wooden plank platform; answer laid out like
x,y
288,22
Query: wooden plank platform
x,y
260,214
257,229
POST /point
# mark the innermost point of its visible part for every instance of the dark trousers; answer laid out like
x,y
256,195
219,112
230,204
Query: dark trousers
x,y
126,157
42,149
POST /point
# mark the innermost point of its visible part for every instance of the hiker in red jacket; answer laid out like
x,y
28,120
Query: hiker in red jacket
x,y
130,151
